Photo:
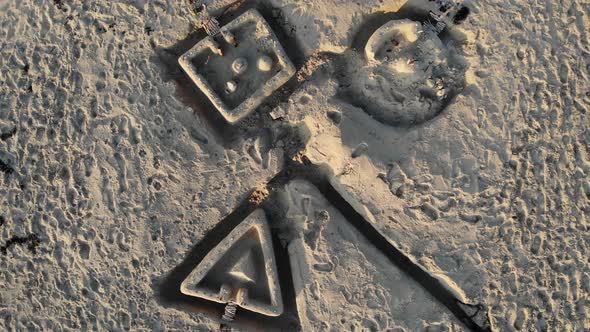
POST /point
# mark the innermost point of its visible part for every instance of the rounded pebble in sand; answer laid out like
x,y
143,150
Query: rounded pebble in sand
x,y
264,63
231,86
239,65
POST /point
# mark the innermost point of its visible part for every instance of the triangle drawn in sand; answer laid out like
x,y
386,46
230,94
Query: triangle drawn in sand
x,y
241,269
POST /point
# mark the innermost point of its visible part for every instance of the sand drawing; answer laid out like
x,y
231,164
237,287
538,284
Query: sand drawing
x,y
408,77
239,65
241,269
294,165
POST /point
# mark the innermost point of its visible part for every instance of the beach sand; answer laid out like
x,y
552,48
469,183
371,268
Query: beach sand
x,y
114,167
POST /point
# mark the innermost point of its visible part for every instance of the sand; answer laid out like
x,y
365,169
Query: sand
x,y
116,171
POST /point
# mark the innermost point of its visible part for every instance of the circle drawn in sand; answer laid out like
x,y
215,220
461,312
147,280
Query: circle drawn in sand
x,y
409,75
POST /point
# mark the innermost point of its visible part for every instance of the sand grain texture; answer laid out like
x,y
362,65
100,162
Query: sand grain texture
x,y
113,177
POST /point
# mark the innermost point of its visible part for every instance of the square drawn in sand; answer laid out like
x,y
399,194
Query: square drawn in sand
x,y
239,67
